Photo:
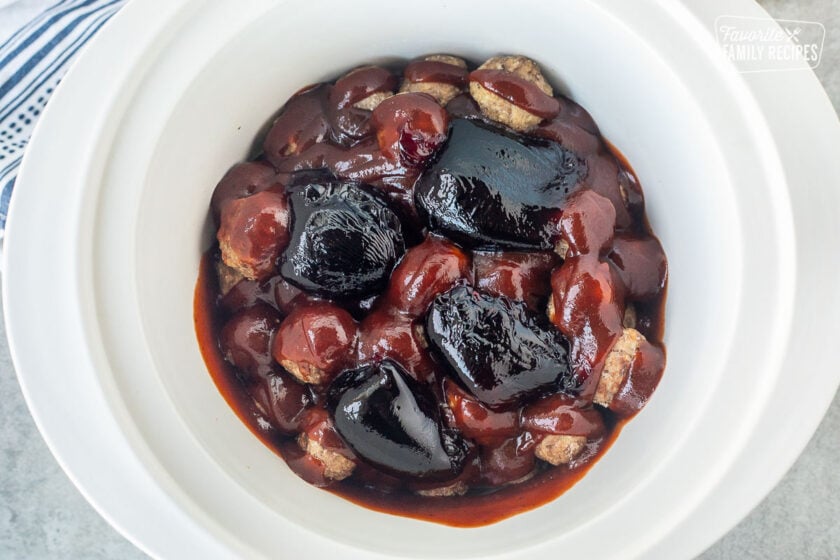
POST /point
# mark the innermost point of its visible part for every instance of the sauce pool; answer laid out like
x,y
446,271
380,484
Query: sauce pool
x,y
471,510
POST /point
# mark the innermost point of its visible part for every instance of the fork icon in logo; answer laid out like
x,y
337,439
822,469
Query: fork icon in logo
x,y
794,35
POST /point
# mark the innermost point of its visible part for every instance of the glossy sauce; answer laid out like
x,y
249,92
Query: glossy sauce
x,y
604,221
462,511
432,71
519,91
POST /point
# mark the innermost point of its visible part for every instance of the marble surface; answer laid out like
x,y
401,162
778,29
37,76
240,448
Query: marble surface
x,y
43,516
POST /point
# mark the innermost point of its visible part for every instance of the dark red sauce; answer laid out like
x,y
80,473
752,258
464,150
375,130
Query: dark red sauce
x,y
357,85
460,511
519,91
261,336
433,71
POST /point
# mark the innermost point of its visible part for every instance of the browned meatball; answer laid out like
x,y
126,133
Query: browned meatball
x,y
442,92
315,342
560,449
502,110
254,231
617,364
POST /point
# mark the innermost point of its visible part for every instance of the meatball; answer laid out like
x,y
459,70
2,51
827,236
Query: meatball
x,y
641,265
241,181
253,232
630,316
245,340
509,461
562,248
443,93
521,276
283,401
321,443
384,334
549,310
617,364
457,488
364,87
426,270
476,421
336,466
642,378
587,224
560,450
315,342
410,128
228,277
370,102
502,110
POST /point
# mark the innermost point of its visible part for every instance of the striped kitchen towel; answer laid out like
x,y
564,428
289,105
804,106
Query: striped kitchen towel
x,y
39,39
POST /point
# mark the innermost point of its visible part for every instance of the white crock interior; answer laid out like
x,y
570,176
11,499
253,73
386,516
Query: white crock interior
x,y
203,105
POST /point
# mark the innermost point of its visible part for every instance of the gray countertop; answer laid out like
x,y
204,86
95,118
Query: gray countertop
x,y
43,516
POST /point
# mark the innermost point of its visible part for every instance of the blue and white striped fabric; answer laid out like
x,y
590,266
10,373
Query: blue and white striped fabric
x,y
39,39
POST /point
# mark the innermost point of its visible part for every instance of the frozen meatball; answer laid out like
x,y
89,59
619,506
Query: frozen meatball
x,y
304,372
364,88
388,334
370,102
228,277
502,110
560,450
315,342
617,364
549,310
562,248
443,93
336,466
457,488
253,232
630,317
